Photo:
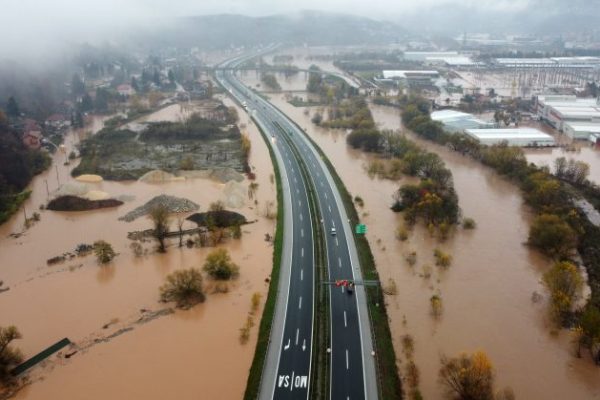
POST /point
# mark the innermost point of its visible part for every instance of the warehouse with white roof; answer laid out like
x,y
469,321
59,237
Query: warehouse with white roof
x,y
521,137
456,121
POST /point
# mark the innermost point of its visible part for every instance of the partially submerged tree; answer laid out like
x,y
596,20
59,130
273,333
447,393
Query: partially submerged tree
x,y
104,252
219,265
468,377
564,283
160,218
9,356
589,332
184,287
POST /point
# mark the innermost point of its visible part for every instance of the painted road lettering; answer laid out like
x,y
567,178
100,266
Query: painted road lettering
x,y
292,382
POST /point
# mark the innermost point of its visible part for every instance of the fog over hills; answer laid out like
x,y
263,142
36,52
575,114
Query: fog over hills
x,y
305,27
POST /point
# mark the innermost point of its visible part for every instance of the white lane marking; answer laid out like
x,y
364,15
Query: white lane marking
x,y
333,223
329,208
347,363
287,346
339,262
325,195
302,252
343,289
345,320
322,184
297,191
297,333
299,203
301,274
295,180
302,232
300,216
336,242
300,303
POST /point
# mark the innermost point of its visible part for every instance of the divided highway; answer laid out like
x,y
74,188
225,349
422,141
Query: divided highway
x,y
286,373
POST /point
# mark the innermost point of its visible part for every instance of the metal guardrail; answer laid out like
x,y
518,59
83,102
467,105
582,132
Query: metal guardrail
x,y
39,357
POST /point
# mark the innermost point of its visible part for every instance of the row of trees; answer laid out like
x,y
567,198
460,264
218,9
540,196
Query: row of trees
x,y
558,229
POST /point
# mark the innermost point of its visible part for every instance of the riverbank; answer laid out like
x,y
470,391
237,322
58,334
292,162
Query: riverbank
x,y
493,275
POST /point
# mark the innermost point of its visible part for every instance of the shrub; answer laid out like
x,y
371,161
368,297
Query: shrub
x,y
104,252
468,377
184,287
219,265
442,259
553,236
9,356
436,305
411,258
469,223
402,233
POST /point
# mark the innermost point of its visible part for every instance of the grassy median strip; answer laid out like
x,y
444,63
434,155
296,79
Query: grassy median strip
x,y
266,322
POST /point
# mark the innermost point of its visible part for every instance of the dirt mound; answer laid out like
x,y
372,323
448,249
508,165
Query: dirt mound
x,y
226,174
173,204
72,189
89,178
156,176
75,203
96,195
234,194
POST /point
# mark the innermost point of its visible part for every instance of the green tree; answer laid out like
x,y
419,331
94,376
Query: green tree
x,y
219,265
468,377
160,218
9,356
104,252
553,236
12,108
184,287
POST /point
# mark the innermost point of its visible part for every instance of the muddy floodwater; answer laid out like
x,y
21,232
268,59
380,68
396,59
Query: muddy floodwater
x,y
582,151
486,292
128,348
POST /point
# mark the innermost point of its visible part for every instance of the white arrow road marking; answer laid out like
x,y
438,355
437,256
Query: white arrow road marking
x,y
303,344
325,195
297,333
300,303
287,346
347,363
345,320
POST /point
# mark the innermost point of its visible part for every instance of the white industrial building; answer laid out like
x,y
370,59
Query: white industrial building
x,y
456,121
558,110
423,55
410,77
581,130
554,62
521,137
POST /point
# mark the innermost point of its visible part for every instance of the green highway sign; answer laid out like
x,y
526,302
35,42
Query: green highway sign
x,y
361,229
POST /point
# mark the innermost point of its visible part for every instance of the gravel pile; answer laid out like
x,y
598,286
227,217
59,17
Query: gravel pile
x,y
173,204
234,194
157,176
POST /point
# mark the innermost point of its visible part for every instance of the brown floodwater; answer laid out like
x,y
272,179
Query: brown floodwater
x,y
582,151
188,354
486,293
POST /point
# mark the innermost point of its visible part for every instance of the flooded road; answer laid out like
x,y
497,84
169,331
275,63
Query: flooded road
x,y
189,354
486,293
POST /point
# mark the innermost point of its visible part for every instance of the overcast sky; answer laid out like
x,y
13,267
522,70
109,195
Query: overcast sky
x,y
32,25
